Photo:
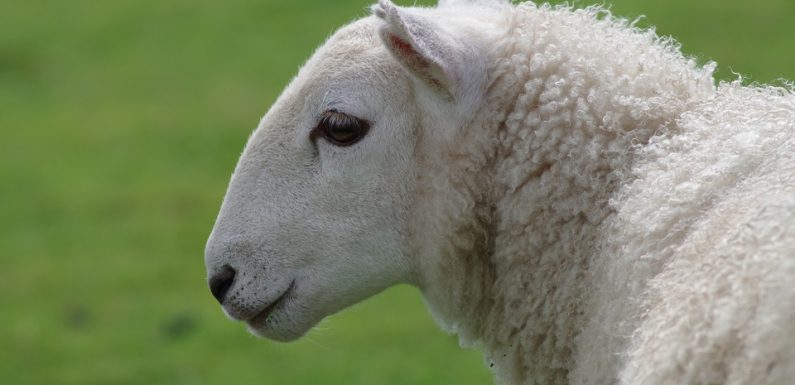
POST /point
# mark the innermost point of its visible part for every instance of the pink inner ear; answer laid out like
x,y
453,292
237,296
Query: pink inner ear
x,y
402,45
415,61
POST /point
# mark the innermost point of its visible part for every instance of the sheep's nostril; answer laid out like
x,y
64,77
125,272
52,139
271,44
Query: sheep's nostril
x,y
221,281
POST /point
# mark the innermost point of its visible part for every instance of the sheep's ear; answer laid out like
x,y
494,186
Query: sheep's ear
x,y
437,58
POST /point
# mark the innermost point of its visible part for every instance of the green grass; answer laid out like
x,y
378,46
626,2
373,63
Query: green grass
x,y
121,122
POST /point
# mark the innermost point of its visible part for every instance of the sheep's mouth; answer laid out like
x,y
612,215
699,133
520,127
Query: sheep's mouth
x,y
260,319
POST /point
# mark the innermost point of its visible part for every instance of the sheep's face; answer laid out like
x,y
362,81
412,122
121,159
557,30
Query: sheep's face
x,y
317,214
315,217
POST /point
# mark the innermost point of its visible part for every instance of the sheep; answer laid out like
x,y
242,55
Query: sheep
x,y
569,192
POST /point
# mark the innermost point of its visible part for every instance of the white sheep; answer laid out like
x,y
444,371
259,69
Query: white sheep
x,y
569,192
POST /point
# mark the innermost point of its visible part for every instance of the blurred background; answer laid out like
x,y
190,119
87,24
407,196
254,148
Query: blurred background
x,y
120,124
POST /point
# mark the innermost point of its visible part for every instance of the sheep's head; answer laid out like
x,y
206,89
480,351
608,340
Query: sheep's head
x,y
317,215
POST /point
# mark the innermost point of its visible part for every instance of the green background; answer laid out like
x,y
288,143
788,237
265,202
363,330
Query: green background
x,y
121,122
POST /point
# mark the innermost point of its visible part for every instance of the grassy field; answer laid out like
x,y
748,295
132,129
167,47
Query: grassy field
x,y
121,122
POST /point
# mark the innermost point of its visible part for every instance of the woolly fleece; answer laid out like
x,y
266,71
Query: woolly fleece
x,y
613,217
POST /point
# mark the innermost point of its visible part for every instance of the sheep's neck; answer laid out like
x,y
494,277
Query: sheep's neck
x,y
559,139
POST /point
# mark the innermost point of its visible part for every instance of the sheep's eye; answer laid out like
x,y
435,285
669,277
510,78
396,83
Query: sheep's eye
x,y
340,129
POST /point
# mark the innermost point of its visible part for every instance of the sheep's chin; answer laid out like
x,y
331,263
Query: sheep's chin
x,y
286,322
285,333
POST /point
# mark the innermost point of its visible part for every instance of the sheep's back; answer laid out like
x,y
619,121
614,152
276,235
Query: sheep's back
x,y
712,213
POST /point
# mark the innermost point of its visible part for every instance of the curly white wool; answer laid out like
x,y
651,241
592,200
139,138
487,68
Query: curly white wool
x,y
608,152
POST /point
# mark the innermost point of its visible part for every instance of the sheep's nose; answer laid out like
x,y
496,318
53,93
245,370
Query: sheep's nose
x,y
221,282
